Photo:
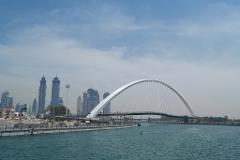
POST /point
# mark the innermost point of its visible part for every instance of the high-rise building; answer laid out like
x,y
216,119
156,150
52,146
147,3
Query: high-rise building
x,y
56,100
34,106
18,107
79,106
10,102
107,108
6,100
29,109
90,100
41,96
85,103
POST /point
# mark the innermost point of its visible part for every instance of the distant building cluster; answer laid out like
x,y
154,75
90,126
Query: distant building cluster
x,y
22,108
39,104
90,100
85,104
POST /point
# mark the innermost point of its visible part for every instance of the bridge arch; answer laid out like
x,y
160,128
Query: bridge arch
x,y
118,91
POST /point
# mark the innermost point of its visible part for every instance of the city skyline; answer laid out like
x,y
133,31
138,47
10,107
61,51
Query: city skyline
x,y
39,105
194,48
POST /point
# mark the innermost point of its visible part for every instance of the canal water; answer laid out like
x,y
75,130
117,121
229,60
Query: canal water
x,y
148,142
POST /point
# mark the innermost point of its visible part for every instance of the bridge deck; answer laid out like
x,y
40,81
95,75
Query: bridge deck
x,y
146,113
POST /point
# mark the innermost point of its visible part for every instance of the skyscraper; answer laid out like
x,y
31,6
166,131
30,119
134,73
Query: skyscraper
x,y
107,108
84,104
18,107
42,96
56,100
29,109
90,100
6,100
34,106
79,106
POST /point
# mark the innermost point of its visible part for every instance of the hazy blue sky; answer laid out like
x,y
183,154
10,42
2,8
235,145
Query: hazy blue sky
x,y
191,44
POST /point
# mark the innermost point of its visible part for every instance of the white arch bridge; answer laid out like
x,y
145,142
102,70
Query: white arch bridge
x,y
120,90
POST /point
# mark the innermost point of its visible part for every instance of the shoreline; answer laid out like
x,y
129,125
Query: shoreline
x,y
38,131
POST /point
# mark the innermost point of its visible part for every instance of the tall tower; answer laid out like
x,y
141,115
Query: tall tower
x,y
55,100
92,99
6,100
107,108
34,106
42,96
84,104
79,106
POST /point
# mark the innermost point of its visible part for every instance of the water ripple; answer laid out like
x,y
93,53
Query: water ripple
x,y
162,141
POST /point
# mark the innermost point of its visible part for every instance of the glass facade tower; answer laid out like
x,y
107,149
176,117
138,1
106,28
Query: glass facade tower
x,y
41,96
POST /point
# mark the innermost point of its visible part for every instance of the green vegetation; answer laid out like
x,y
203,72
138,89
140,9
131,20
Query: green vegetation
x,y
57,110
